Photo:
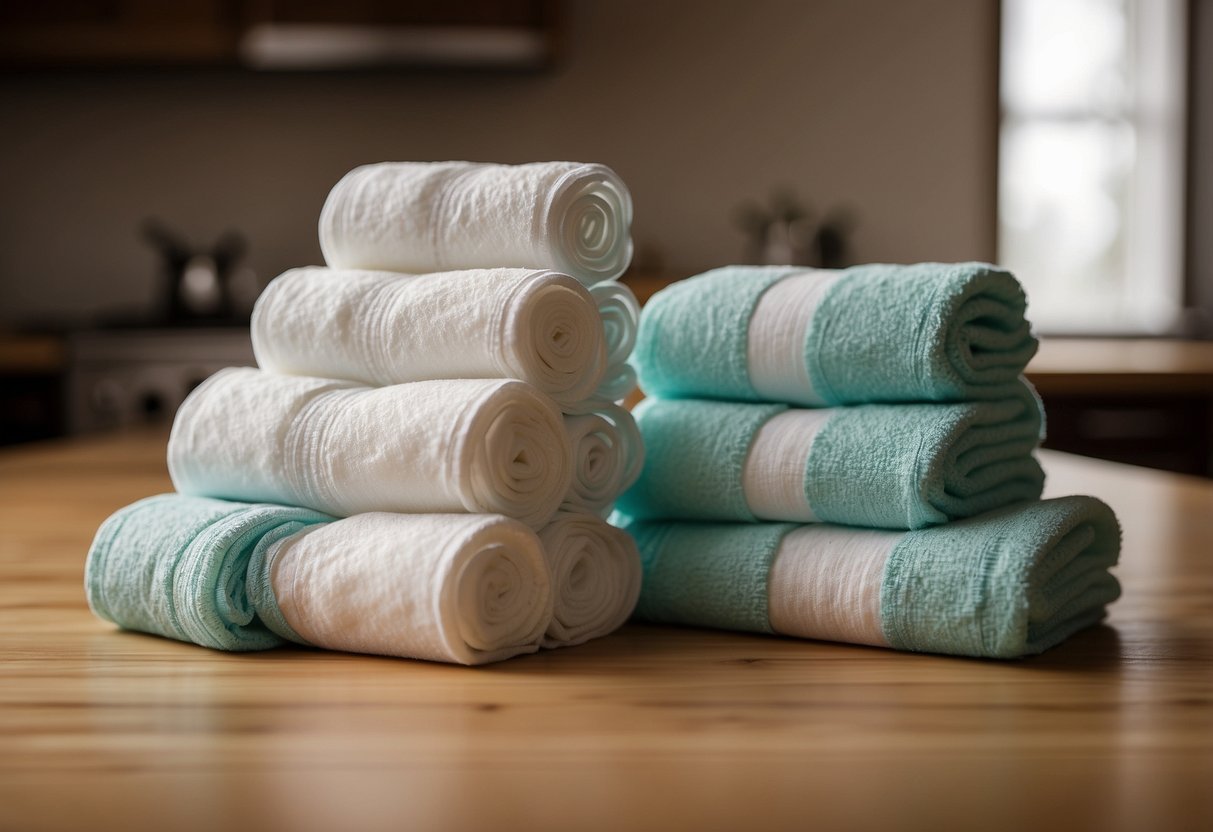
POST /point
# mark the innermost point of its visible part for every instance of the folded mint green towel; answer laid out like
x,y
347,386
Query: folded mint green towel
x,y
876,333
177,566
878,465
1005,584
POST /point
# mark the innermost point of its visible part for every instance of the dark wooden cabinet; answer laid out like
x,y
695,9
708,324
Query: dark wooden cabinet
x,y
32,388
313,34
1139,401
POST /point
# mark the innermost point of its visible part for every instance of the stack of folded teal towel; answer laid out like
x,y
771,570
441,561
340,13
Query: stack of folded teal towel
x,y
422,463
848,455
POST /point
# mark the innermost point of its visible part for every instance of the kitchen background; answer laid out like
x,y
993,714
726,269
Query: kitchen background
x,y
197,140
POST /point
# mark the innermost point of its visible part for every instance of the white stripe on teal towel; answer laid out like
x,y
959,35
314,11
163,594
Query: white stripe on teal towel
x,y
875,333
879,465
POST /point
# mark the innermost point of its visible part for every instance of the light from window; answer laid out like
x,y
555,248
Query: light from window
x,y
1090,212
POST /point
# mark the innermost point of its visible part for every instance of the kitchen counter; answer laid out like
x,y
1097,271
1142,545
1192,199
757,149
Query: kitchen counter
x,y
1144,401
32,370
32,354
649,728
1116,365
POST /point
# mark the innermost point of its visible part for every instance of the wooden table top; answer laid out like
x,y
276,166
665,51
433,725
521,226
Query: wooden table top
x,y
659,728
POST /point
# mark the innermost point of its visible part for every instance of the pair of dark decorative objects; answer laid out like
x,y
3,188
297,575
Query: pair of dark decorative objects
x,y
787,232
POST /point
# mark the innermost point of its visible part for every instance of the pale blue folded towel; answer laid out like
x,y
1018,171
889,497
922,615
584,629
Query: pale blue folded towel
x,y
887,466
178,566
880,333
1004,584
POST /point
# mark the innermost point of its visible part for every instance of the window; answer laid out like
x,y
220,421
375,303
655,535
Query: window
x,y
1090,213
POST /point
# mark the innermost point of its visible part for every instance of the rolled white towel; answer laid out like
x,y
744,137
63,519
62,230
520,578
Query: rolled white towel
x,y
620,312
617,385
433,216
464,445
387,328
595,577
608,455
458,588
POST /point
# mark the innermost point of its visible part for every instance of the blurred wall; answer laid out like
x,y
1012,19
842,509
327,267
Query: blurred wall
x,y
887,107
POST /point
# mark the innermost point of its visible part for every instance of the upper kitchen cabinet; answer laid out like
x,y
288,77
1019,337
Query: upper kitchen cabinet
x,y
56,34
310,35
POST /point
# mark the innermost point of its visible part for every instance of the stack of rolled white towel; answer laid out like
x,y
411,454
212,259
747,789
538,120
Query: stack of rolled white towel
x,y
449,384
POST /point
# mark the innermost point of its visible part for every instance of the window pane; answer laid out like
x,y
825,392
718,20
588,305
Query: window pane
x,y
1063,56
1063,208
1091,161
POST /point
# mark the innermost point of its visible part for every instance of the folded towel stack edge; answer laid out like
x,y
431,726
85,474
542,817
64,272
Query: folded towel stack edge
x,y
1005,584
849,455
877,333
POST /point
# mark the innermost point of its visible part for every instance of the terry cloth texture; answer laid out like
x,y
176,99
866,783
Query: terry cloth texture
x,y
595,577
876,333
620,313
607,458
479,446
177,567
1005,584
460,588
419,217
883,466
383,328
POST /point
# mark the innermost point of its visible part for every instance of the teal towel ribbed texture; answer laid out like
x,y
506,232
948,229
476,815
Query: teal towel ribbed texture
x,y
1005,584
694,452
884,466
178,567
1009,583
882,333
706,574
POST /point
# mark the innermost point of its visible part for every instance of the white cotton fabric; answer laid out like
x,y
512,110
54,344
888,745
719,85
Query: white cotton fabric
x,y
773,476
464,445
620,313
778,329
420,217
608,454
825,583
596,575
469,589
386,328
619,383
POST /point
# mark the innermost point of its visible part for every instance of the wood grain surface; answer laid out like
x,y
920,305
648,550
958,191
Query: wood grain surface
x,y
651,728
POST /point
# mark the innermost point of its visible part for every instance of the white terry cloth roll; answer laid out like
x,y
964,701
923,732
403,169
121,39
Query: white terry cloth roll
x,y
595,577
463,445
620,312
386,328
608,455
825,583
434,216
618,383
616,386
458,588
